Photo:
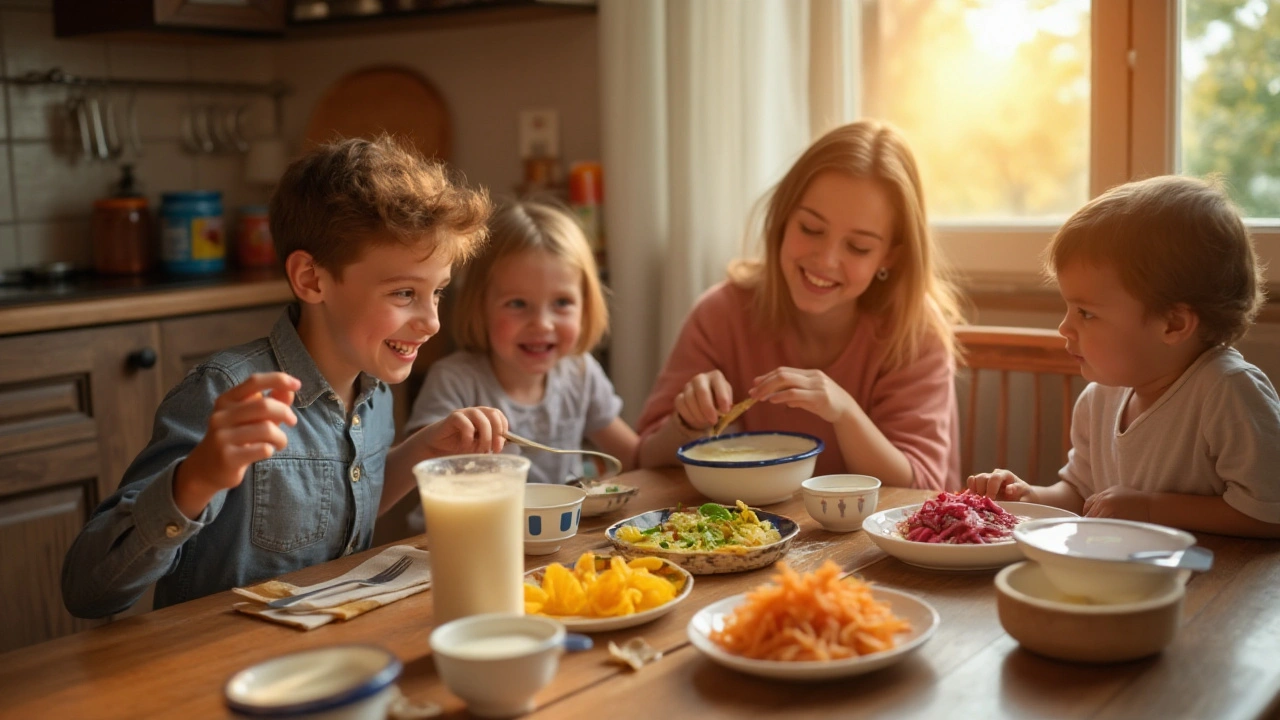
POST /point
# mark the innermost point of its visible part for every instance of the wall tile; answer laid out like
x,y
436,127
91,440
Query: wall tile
x,y
9,247
48,187
237,62
148,62
226,173
38,112
64,240
164,167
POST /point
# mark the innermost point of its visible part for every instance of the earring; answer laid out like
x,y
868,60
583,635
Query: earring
x,y
882,274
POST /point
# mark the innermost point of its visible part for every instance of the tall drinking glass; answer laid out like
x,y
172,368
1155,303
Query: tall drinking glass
x,y
474,508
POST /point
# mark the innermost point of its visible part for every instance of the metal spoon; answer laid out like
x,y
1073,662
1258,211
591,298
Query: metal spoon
x,y
1194,558
613,465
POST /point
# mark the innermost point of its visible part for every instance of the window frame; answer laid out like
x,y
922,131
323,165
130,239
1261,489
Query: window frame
x,y
1133,132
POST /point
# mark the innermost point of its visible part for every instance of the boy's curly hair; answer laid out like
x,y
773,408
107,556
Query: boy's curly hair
x,y
339,198
1173,240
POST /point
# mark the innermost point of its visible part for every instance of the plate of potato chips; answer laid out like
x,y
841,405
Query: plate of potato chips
x,y
606,592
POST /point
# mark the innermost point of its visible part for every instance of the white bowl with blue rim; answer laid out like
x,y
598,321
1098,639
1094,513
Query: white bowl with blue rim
x,y
758,468
736,559
551,516
497,662
343,682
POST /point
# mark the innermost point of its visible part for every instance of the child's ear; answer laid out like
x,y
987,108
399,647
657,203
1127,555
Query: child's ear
x,y
304,276
1180,324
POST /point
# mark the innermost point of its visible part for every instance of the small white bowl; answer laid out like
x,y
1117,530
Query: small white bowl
x,y
343,682
840,502
551,516
1048,622
600,500
1088,557
498,662
758,468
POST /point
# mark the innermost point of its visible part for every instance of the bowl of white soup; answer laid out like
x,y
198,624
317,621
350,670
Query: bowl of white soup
x,y
758,468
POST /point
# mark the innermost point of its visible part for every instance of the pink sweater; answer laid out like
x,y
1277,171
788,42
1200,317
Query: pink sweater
x,y
914,406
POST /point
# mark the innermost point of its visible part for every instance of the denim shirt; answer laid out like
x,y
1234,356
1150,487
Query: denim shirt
x,y
313,501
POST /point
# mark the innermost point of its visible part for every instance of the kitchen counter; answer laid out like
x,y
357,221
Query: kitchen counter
x,y
94,300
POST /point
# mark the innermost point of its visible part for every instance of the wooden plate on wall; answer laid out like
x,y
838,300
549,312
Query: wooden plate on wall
x,y
384,98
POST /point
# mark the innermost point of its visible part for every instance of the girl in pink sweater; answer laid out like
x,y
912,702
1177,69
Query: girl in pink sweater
x,y
842,330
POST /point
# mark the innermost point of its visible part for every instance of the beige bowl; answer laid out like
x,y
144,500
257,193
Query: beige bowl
x,y
1047,622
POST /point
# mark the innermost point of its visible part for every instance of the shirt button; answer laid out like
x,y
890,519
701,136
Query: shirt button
x,y
355,474
172,530
355,419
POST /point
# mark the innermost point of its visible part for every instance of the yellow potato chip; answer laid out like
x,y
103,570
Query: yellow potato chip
x,y
622,588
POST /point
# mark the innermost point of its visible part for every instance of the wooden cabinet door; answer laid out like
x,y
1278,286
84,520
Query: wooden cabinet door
x,y
74,411
189,341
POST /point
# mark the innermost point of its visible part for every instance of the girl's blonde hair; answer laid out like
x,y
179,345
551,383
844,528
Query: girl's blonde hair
x,y
523,226
918,298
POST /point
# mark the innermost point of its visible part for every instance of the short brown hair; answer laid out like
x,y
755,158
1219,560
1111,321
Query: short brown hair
x,y
522,226
1173,241
918,298
338,198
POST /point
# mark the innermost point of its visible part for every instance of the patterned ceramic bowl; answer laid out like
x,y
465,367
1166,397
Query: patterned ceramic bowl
x,y
709,563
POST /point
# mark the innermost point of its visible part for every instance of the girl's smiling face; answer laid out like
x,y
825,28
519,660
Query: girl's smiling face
x,y
837,237
533,311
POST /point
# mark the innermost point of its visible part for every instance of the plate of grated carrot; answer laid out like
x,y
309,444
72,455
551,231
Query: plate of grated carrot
x,y
812,626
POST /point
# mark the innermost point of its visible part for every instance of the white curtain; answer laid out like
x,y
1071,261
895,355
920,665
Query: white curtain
x,y
706,103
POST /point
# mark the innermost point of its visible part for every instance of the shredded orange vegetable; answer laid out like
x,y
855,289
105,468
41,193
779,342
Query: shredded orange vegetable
x,y
815,616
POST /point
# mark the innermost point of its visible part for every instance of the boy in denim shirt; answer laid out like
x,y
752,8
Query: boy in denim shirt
x,y
271,456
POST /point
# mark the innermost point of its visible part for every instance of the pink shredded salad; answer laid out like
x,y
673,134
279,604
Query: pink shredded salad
x,y
959,519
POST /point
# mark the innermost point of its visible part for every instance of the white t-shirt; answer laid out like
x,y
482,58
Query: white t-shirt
x,y
579,400
1216,431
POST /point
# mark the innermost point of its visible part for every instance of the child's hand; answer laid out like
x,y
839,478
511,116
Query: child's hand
x,y
999,485
808,390
1119,502
469,430
243,429
704,399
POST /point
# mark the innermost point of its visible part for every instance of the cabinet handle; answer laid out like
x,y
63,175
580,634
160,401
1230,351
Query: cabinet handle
x,y
142,359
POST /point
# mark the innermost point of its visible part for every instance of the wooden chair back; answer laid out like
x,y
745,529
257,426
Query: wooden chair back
x,y
1007,351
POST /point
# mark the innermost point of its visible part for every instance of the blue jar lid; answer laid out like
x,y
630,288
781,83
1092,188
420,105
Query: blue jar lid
x,y
191,195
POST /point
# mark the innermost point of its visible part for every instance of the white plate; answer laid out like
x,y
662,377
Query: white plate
x,y
587,624
883,529
922,616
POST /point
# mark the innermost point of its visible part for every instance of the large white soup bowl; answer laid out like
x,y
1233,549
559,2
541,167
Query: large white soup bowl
x,y
758,468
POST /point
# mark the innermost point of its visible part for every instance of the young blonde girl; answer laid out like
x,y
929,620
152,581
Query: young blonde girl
x,y
529,312
841,330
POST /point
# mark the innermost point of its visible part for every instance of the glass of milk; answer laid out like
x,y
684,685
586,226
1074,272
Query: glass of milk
x,y
474,508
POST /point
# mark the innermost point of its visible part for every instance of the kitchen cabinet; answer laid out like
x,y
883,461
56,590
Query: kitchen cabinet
x,y
234,17
76,406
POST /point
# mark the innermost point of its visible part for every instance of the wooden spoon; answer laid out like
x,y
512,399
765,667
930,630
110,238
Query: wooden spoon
x,y
613,466
734,413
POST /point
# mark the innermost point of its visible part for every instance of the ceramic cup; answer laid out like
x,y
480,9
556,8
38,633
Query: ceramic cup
x,y
498,662
551,515
343,682
840,502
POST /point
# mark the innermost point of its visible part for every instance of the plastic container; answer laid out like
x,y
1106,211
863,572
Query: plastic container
x,y
192,237
586,194
253,238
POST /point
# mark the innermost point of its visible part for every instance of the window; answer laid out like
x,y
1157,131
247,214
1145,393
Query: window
x,y
1021,110
1229,98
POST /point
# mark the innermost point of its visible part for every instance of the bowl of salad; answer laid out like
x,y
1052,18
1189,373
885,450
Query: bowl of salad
x,y
606,497
708,539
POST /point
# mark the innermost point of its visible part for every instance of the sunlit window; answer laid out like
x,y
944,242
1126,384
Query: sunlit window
x,y
993,96
1229,98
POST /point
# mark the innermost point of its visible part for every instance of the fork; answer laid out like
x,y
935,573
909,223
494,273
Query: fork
x,y
611,462
392,572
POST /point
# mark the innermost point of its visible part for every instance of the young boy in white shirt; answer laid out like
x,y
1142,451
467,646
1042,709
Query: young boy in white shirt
x,y
1160,278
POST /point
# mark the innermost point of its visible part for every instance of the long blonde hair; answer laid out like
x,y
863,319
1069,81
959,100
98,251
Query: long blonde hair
x,y
918,298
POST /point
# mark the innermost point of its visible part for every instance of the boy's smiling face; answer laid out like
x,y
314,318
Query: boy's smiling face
x,y
1108,330
376,317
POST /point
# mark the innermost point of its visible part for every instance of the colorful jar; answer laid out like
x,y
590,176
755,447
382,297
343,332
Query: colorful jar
x,y
192,239
121,233
253,238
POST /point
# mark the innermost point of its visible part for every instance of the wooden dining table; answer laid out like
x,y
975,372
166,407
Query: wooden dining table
x,y
1224,662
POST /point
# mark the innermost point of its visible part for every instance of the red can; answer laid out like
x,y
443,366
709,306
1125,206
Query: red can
x,y
253,241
